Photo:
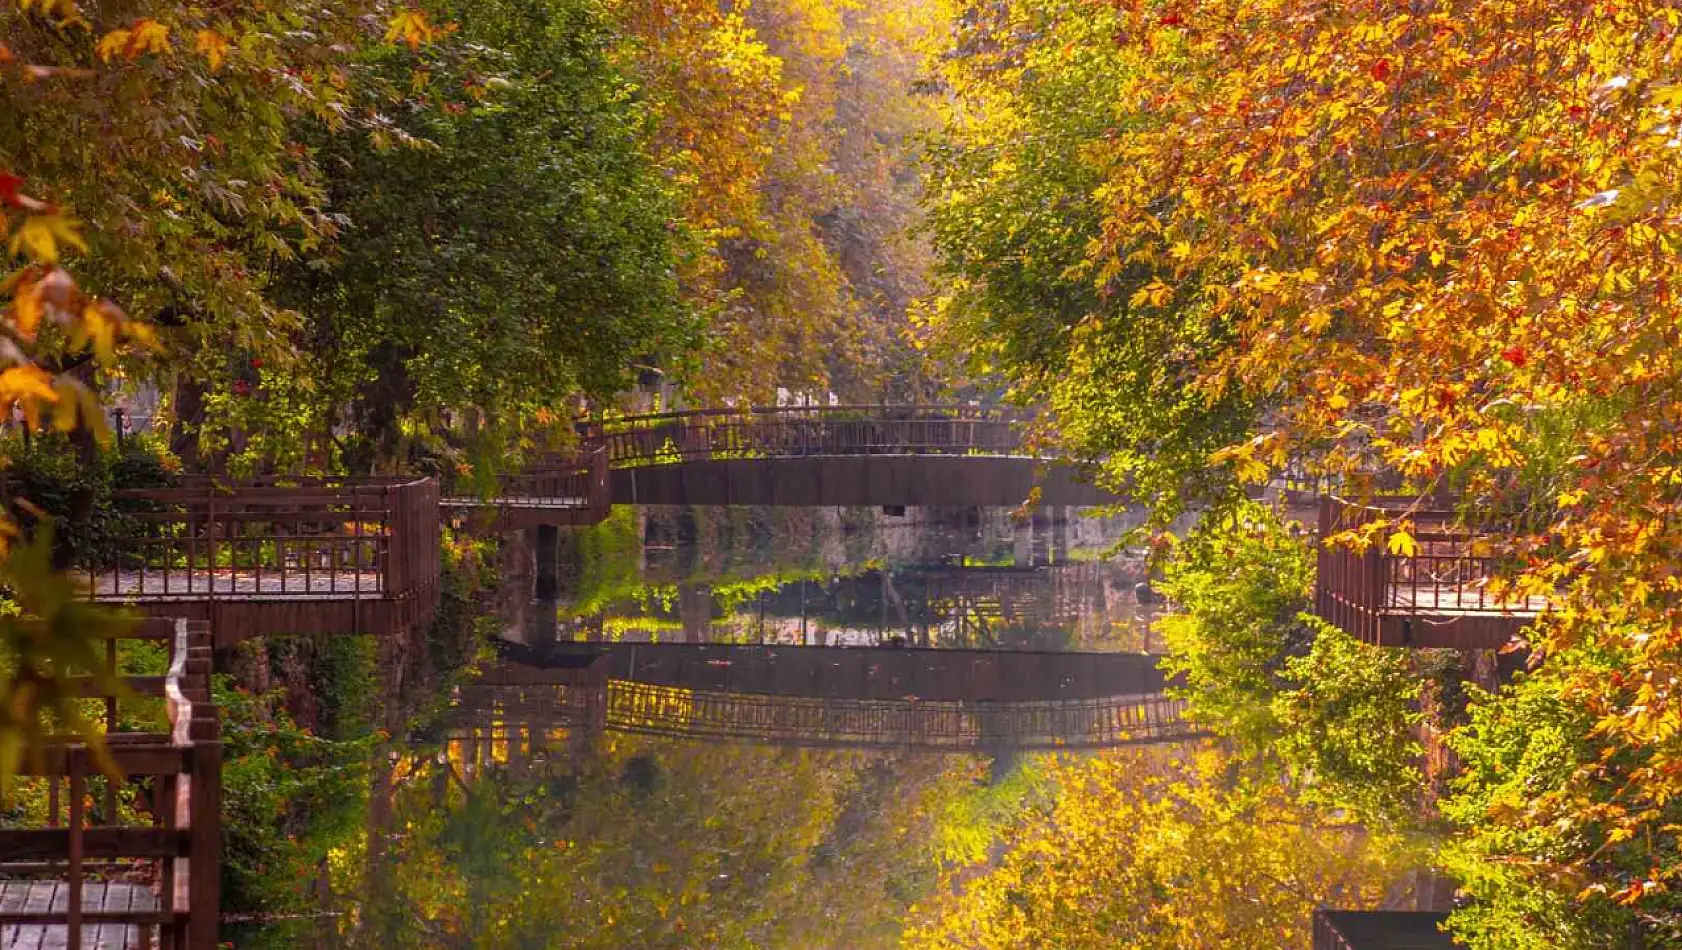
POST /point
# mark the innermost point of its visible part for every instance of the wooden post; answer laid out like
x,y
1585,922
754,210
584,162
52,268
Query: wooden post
x,y
73,901
205,834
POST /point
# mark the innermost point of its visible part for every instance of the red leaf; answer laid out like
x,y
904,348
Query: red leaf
x,y
1381,70
1516,356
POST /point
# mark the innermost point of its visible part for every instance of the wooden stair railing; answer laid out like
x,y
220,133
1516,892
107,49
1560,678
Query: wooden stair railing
x,y
172,778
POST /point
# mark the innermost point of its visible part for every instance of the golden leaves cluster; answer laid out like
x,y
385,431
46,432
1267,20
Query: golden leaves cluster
x,y
47,315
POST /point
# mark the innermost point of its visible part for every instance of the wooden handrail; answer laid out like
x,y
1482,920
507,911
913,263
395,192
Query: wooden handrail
x,y
1001,412
184,765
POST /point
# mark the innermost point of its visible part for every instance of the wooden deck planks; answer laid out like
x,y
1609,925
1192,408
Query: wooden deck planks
x,y
39,897
517,501
200,584
1470,599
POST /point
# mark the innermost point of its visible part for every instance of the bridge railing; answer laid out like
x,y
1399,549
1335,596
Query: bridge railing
x,y
1435,592
801,431
679,712
790,720
572,482
291,538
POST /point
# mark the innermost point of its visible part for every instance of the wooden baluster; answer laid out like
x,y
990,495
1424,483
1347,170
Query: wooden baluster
x,y
73,902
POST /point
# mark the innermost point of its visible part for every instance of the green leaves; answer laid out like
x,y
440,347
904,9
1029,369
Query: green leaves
x,y
48,635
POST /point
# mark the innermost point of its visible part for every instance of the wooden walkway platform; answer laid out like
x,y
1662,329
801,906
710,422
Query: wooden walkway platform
x,y
267,556
1436,595
567,491
21,898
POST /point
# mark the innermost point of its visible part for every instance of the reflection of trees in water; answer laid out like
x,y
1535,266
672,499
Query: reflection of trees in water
x,y
704,544
1084,606
658,844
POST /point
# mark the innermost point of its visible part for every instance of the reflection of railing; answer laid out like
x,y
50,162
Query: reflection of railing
x,y
1121,720
1432,591
99,882
560,491
806,721
802,431
315,538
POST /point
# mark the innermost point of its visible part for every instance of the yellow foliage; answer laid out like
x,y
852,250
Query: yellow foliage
x,y
213,46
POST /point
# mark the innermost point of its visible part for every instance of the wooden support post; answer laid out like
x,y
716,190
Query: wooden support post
x,y
546,589
205,835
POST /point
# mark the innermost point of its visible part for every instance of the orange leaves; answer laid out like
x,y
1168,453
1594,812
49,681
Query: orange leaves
x,y
43,293
143,36
64,12
213,46
413,27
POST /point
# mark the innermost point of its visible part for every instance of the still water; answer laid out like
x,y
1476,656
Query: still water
x,y
728,728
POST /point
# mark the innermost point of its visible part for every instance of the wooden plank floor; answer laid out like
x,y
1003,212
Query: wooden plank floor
x,y
180,584
49,896
518,501
1461,600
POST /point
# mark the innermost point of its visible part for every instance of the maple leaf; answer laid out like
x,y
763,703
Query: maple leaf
x,y
146,35
1516,355
1402,544
412,27
41,234
112,43
213,46
150,36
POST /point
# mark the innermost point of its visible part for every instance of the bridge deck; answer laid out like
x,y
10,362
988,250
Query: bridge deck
x,y
1435,595
197,584
52,897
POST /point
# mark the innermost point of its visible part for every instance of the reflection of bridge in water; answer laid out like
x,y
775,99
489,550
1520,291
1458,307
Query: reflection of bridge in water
x,y
1070,606
943,700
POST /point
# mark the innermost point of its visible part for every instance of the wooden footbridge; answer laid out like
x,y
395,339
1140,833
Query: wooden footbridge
x,y
965,701
877,455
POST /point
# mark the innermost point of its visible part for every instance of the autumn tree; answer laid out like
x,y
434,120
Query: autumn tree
x,y
519,257
1155,848
790,130
1434,240
1016,203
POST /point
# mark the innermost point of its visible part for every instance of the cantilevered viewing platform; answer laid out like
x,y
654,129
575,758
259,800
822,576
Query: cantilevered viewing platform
x,y
294,555
1435,596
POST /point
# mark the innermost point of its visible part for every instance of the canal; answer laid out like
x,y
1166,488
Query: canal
x,y
894,684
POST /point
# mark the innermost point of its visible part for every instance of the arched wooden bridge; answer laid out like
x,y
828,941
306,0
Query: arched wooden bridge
x,y
955,456
877,455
